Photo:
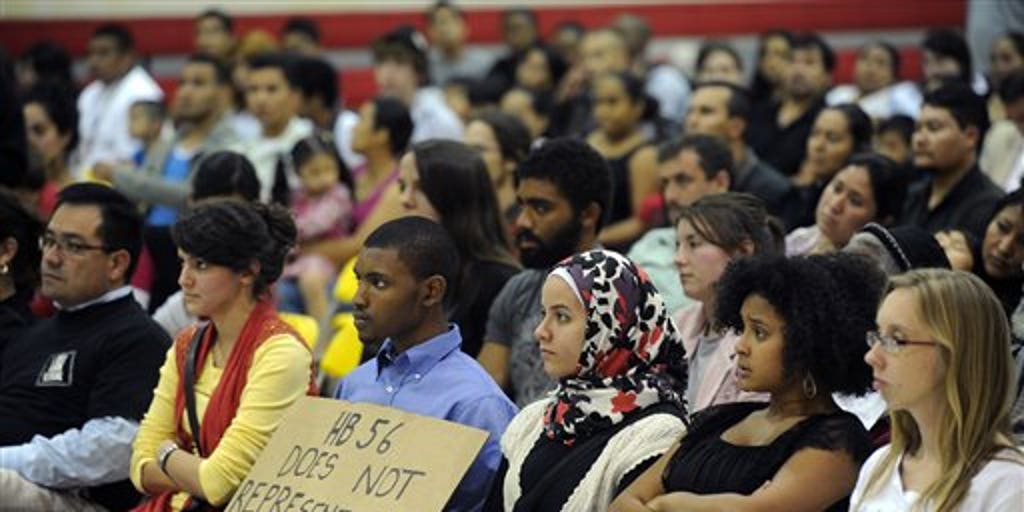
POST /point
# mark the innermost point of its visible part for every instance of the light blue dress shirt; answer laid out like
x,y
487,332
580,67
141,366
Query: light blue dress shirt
x,y
435,378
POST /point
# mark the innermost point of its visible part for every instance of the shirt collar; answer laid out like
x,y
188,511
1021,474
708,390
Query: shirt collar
x,y
423,357
110,296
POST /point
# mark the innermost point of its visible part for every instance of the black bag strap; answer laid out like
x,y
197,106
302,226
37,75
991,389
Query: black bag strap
x,y
191,358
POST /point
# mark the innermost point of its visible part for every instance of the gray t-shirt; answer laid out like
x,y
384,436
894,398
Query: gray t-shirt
x,y
514,315
474,64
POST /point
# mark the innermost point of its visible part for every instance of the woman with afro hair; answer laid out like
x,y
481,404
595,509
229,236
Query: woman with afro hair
x,y
802,324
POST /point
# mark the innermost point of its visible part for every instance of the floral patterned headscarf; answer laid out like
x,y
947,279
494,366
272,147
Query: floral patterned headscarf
x,y
632,355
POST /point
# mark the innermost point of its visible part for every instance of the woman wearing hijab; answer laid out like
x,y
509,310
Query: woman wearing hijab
x,y
620,364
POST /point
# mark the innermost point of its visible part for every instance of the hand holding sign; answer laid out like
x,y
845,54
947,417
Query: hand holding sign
x,y
331,455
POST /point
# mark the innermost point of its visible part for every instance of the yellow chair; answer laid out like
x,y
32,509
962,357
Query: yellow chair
x,y
344,352
305,325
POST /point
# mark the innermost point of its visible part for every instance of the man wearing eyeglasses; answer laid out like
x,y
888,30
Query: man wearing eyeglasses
x,y
74,387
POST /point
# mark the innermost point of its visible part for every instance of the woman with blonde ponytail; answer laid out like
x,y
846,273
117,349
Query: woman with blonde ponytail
x,y
941,359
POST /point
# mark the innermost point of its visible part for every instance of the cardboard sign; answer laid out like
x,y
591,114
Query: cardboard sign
x,y
333,456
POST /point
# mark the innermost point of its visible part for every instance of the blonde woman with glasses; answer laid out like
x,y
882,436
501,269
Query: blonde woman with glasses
x,y
941,359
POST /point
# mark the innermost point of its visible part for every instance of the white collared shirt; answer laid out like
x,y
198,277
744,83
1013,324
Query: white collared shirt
x,y
110,296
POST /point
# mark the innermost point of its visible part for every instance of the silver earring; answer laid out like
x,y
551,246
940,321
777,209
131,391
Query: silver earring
x,y
810,387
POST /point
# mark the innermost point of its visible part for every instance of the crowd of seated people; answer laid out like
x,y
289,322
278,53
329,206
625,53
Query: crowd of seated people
x,y
654,290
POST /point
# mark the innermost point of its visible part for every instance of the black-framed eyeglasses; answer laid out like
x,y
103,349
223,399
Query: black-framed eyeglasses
x,y
890,344
67,245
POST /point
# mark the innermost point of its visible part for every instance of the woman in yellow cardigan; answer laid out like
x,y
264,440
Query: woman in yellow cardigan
x,y
247,365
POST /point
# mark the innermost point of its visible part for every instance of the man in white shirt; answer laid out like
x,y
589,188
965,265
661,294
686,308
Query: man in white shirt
x,y
103,105
1002,155
273,98
400,69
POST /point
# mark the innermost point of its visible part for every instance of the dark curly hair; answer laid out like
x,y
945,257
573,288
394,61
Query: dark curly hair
x,y
575,168
828,303
236,234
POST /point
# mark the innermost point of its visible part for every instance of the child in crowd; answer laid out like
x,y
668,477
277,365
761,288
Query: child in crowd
x,y
893,139
146,123
322,206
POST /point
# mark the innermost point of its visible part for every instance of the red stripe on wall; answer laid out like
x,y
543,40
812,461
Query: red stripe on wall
x,y
340,30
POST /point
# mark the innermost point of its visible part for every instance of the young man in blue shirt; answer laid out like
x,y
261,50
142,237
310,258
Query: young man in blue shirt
x,y
404,271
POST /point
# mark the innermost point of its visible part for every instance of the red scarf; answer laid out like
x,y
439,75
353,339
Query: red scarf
x,y
262,324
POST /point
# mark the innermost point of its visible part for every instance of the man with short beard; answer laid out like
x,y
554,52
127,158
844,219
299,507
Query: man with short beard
x,y
563,191
199,105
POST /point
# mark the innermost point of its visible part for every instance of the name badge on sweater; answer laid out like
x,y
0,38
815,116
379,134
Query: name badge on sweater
x,y
59,370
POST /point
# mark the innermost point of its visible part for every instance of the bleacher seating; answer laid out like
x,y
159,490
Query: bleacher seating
x,y
169,36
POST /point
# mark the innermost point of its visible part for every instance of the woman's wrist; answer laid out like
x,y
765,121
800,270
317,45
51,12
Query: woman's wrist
x,y
163,455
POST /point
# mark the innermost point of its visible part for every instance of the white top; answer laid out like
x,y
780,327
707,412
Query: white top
x,y
802,241
868,408
103,118
1016,174
343,125
172,315
998,487
264,152
245,125
648,437
431,117
668,85
900,98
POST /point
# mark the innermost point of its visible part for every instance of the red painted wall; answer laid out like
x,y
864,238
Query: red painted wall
x,y
348,30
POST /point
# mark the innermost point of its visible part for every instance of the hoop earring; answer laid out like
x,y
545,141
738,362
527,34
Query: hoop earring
x,y
810,387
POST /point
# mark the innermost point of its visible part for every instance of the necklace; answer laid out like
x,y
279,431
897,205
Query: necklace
x,y
218,355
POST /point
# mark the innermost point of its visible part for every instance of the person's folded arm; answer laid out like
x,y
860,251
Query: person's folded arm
x,y
811,480
158,425
147,188
96,454
645,488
